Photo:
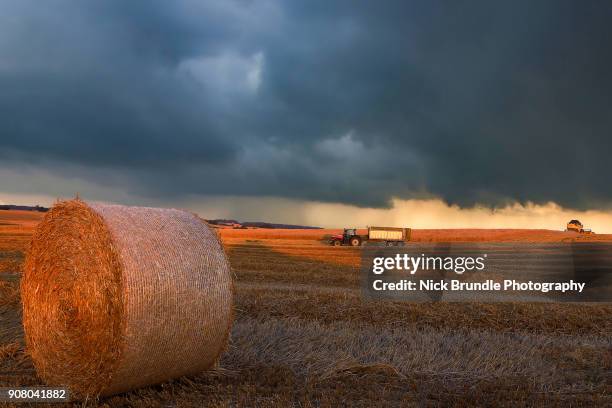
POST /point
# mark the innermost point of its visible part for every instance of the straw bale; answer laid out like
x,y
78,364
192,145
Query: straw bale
x,y
116,298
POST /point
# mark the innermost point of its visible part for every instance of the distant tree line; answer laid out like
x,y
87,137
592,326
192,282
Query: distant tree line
x,y
23,207
250,224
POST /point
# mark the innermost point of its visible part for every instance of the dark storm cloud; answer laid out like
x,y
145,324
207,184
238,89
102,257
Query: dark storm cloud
x,y
334,101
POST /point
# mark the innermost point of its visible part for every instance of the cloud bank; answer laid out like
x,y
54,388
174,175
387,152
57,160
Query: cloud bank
x,y
475,103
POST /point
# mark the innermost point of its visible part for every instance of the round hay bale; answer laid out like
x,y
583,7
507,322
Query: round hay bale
x,y
116,298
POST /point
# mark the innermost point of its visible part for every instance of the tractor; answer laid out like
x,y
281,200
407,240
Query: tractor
x,y
348,237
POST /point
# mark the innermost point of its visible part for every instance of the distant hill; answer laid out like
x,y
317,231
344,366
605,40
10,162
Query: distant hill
x,y
251,224
280,226
23,207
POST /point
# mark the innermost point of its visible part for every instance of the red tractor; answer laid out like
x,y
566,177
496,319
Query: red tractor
x,y
348,237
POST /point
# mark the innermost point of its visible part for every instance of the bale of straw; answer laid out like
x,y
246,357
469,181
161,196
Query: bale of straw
x,y
116,298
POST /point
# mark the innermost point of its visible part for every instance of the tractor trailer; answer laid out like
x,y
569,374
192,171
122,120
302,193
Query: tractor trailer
x,y
385,235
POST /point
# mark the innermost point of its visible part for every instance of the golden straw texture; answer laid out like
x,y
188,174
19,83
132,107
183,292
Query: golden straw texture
x,y
116,297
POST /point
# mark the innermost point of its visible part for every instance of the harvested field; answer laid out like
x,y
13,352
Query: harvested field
x,y
303,336
16,228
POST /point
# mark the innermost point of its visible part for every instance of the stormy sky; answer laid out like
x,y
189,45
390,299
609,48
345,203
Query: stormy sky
x,y
348,102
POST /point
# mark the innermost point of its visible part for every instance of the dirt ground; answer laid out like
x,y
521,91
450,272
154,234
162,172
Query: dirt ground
x,y
303,335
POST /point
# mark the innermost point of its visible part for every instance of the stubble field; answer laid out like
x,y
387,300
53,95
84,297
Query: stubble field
x,y
303,335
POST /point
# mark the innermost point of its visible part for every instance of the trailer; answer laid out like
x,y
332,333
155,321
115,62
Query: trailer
x,y
389,236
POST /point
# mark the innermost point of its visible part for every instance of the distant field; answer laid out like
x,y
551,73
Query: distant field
x,y
426,235
303,335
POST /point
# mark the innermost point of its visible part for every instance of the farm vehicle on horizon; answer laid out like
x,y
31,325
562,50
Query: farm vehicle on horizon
x,y
388,236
